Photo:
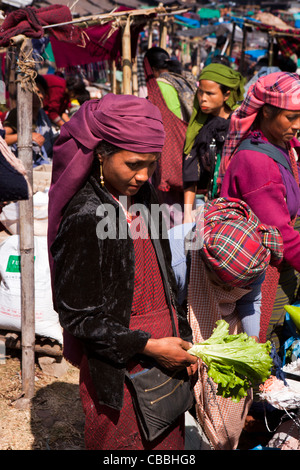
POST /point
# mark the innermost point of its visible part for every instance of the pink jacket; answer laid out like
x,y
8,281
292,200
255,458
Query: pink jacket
x,y
256,179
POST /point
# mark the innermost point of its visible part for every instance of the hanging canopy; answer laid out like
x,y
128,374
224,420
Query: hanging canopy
x,y
188,22
84,40
102,42
288,38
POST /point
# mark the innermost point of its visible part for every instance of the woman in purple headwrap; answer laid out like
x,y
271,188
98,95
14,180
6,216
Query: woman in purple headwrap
x,y
107,284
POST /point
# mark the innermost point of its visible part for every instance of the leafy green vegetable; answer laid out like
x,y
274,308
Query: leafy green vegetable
x,y
235,362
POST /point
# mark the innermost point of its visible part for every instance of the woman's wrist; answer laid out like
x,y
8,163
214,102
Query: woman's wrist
x,y
149,348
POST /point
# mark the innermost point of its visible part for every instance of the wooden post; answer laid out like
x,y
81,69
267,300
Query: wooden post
x,y
271,50
198,59
244,43
24,116
232,39
135,85
188,50
11,76
187,53
113,80
163,33
126,53
150,35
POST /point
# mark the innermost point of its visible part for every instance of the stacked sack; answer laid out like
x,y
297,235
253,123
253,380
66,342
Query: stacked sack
x,y
46,319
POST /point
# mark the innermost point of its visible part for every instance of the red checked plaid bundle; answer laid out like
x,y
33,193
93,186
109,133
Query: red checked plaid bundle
x,y
236,246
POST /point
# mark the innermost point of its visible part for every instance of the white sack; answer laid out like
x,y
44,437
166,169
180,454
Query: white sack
x,y
46,319
9,216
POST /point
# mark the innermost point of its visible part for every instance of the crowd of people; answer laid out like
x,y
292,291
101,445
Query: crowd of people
x,y
221,159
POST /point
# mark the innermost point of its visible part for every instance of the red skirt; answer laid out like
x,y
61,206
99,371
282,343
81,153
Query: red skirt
x,y
109,429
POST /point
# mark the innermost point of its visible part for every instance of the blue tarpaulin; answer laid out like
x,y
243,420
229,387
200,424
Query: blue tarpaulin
x,y
241,21
188,21
256,53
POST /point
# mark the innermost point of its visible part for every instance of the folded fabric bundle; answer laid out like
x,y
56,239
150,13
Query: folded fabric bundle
x,y
29,21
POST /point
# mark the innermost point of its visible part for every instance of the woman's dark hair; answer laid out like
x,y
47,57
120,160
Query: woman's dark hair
x,y
273,112
221,40
158,58
84,96
286,64
220,59
106,149
224,88
41,81
174,66
77,87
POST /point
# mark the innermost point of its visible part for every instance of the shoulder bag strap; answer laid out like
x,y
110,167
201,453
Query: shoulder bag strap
x,y
267,149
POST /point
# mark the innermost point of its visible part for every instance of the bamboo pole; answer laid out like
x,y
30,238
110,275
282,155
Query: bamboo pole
x,y
270,49
24,113
11,81
150,35
90,20
135,86
232,39
198,59
113,80
188,52
244,44
163,33
126,53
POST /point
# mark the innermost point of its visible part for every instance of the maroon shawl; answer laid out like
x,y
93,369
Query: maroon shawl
x,y
169,170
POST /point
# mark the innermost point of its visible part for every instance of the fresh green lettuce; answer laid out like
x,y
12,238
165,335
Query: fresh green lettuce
x,y
235,362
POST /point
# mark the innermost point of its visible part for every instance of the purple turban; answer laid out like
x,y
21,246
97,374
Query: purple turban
x,y
126,121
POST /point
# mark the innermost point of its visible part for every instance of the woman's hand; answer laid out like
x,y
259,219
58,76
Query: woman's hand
x,y
38,139
189,203
192,371
170,352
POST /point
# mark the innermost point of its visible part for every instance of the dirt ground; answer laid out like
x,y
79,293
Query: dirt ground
x,y
53,421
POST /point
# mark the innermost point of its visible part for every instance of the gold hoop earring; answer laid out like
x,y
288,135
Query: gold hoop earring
x,y
101,175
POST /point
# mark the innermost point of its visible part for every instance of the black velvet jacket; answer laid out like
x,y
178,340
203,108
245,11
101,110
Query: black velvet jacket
x,y
94,283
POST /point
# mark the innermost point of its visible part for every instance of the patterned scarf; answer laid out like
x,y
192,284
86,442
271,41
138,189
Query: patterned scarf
x,y
280,89
186,89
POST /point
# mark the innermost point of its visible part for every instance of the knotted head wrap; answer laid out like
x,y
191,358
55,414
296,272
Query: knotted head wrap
x,y
223,75
236,246
126,121
279,89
